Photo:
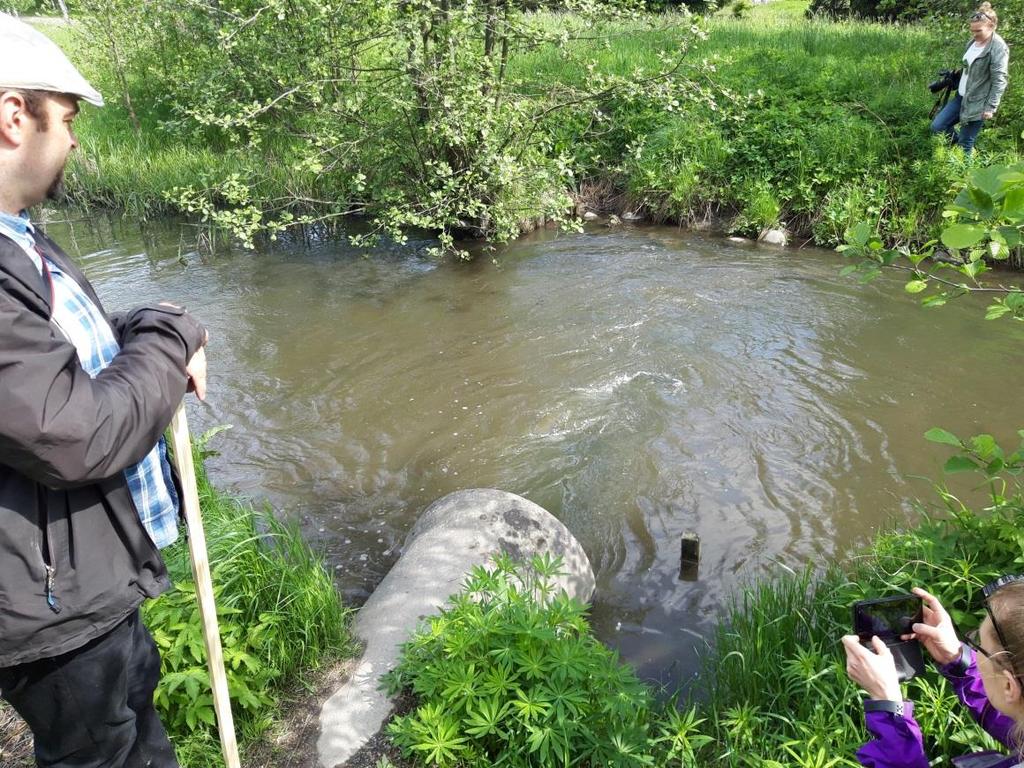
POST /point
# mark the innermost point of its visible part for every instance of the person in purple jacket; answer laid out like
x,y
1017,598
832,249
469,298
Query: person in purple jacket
x,y
986,670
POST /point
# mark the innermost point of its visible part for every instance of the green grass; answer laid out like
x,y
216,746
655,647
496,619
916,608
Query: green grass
x,y
777,656
810,123
774,692
280,617
789,10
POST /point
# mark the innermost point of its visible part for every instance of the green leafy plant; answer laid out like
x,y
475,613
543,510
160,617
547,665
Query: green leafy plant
x,y
280,618
510,675
986,221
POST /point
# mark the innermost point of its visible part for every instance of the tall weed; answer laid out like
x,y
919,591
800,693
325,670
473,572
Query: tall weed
x,y
280,618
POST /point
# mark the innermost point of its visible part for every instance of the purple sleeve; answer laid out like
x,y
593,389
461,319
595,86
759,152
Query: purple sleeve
x,y
963,675
897,742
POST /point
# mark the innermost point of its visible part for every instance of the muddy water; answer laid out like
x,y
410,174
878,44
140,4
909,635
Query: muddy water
x,y
638,383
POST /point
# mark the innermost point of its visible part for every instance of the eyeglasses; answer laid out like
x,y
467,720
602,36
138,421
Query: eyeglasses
x,y
973,639
980,15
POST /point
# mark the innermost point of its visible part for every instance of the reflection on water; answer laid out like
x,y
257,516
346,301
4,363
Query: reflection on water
x,y
639,384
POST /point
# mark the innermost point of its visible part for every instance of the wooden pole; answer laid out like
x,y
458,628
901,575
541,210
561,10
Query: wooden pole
x,y
181,444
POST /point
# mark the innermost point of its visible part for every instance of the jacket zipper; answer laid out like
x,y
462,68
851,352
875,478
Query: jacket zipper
x,y
51,600
48,558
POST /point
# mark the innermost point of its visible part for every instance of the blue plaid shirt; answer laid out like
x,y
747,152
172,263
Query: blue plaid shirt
x,y
83,324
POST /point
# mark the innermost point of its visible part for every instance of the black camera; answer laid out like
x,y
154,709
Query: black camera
x,y
948,79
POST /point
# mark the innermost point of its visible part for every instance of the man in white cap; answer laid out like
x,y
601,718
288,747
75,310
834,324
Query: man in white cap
x,y
86,494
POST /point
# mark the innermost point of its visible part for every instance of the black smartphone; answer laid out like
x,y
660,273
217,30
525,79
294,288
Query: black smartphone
x,y
890,618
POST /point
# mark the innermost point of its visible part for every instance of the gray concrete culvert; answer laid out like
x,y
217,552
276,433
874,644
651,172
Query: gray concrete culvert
x,y
456,533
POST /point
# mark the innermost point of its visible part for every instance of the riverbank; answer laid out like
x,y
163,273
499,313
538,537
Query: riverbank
x,y
775,120
285,640
775,658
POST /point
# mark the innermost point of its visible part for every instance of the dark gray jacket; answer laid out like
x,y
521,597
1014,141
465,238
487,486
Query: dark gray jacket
x,y
65,440
986,80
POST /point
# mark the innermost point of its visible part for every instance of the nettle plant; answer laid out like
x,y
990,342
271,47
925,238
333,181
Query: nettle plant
x,y
509,675
986,220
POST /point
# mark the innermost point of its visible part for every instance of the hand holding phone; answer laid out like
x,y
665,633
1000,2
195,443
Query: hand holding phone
x,y
872,669
936,631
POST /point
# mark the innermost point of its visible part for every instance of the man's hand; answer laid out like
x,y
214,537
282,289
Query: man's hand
x,y
874,671
196,370
987,115
936,632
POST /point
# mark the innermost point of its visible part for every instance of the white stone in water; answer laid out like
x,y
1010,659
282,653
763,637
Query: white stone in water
x,y
631,216
774,237
455,534
590,216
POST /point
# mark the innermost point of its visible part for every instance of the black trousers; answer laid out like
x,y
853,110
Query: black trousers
x,y
93,707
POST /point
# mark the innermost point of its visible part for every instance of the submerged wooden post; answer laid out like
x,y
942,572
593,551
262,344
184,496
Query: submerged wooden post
x,y
689,556
181,444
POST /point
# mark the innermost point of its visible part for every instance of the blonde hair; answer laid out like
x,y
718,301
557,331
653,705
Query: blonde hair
x,y
988,12
1007,606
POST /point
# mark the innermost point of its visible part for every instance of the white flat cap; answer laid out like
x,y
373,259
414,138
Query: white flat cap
x,y
30,61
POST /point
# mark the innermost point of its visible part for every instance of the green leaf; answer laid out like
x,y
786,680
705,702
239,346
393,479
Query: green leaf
x,y
1010,235
995,311
990,179
1014,300
986,447
981,202
1013,204
937,435
960,236
915,286
848,270
959,464
859,234
973,268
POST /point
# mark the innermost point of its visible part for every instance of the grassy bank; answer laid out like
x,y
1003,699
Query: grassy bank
x,y
813,124
505,678
281,620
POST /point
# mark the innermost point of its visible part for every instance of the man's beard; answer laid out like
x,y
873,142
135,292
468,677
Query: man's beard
x,y
55,191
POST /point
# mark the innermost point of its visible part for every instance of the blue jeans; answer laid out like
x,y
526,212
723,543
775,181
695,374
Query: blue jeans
x,y
949,116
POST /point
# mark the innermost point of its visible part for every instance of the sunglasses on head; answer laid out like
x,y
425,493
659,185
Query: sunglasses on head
x,y
981,16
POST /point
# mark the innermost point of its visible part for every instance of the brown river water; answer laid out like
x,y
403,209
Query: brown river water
x,y
639,383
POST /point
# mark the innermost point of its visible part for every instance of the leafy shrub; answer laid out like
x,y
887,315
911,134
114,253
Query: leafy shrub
x,y
509,674
29,7
829,8
986,225
740,8
760,207
280,617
